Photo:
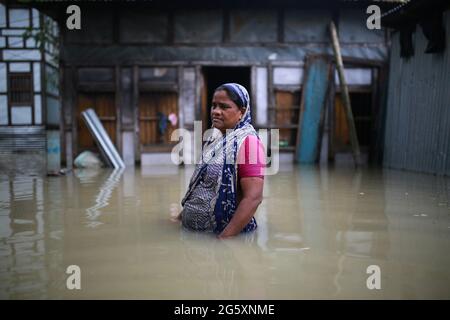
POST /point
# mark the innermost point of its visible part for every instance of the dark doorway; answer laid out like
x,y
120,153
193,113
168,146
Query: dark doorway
x,y
151,105
214,77
362,109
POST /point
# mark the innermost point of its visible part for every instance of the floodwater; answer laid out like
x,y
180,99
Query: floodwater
x,y
319,231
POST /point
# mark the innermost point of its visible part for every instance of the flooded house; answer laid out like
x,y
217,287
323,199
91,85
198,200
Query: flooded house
x,y
136,64
148,68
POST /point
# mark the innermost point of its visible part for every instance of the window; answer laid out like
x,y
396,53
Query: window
x,y
20,89
21,99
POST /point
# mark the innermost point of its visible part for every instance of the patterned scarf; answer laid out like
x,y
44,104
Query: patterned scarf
x,y
219,160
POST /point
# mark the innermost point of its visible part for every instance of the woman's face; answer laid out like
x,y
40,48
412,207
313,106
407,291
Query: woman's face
x,y
225,114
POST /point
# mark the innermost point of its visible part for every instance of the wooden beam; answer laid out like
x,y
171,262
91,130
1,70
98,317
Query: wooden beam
x,y
345,95
331,116
118,103
135,99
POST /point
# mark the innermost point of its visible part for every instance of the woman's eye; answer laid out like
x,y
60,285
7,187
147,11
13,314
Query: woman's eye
x,y
221,106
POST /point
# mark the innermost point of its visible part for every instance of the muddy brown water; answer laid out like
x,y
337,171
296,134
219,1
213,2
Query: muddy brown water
x,y
319,230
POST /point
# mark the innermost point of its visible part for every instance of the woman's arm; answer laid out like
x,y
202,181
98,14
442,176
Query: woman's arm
x,y
252,194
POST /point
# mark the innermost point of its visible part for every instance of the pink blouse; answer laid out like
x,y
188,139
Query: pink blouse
x,y
251,158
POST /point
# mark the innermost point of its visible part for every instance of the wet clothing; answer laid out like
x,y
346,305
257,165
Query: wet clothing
x,y
212,195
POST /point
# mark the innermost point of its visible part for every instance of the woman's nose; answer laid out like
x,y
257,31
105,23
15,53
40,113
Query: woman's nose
x,y
215,111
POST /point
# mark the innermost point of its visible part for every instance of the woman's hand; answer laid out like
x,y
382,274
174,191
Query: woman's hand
x,y
175,214
176,218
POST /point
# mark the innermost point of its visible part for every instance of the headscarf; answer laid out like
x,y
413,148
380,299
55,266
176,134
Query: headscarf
x,y
221,152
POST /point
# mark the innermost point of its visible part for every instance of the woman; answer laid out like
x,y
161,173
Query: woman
x,y
226,187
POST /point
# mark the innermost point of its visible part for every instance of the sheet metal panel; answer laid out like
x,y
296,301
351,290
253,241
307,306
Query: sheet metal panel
x,y
417,133
22,138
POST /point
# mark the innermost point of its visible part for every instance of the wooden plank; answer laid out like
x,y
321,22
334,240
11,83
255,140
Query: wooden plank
x,y
360,62
315,88
345,95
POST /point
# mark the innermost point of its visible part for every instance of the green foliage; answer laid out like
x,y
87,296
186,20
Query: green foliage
x,y
44,39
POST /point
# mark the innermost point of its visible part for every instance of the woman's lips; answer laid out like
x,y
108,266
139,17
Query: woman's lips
x,y
216,120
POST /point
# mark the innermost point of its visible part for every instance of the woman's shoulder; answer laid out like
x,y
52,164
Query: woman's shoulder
x,y
252,143
252,138
251,158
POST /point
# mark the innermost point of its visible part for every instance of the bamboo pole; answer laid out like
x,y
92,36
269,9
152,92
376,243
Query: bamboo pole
x,y
345,95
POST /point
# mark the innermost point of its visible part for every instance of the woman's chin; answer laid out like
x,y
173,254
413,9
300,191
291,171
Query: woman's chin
x,y
217,125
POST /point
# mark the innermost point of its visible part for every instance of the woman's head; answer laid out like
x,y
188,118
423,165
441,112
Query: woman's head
x,y
230,103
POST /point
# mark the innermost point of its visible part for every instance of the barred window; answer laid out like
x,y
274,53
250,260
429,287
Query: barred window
x,y
21,88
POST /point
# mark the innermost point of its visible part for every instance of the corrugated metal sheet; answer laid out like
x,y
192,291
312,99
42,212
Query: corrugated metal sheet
x,y
22,139
417,133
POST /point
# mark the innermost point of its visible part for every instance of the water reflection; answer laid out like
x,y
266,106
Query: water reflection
x,y
220,269
319,229
23,272
101,200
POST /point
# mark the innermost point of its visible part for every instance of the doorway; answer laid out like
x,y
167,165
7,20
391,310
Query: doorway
x,y
361,103
214,77
154,128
